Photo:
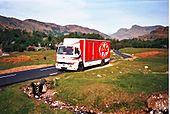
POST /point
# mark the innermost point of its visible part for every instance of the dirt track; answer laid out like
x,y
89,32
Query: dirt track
x,y
148,54
21,58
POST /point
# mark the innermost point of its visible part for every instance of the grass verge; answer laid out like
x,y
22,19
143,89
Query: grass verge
x,y
36,59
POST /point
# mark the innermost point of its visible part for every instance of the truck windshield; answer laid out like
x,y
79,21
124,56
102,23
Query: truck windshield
x,y
65,50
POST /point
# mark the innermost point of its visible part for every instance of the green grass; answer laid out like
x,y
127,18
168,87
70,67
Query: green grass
x,y
14,101
143,82
124,82
140,50
112,55
123,86
36,59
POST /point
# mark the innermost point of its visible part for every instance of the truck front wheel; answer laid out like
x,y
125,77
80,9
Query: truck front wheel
x,y
80,67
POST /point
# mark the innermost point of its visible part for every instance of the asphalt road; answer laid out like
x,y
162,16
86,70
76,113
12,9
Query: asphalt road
x,y
15,77
121,54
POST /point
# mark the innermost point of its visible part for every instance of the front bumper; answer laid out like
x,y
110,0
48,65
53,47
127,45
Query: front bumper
x,y
67,66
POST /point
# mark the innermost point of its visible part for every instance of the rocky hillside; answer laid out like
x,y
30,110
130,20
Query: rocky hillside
x,y
33,25
134,32
161,32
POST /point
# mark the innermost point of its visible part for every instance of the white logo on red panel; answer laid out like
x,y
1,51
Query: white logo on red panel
x,y
103,49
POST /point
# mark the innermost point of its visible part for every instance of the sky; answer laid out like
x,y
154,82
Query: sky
x,y
107,16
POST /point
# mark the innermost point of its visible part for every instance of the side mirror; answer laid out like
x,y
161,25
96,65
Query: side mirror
x,y
56,49
77,52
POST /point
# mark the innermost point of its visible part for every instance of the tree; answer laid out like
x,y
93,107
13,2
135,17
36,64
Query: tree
x,y
83,35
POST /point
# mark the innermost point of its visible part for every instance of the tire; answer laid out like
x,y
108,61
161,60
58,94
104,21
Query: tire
x,y
80,67
102,62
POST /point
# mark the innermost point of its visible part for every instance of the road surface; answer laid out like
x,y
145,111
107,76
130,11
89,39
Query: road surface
x,y
15,77
121,54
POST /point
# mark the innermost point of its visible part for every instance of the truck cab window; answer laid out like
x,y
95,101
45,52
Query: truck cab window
x,y
65,50
69,50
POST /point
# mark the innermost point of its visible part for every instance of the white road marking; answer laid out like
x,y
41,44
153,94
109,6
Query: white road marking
x,y
47,68
6,76
53,73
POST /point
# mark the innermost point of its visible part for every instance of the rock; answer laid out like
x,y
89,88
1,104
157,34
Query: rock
x,y
107,106
47,96
57,78
45,102
44,89
55,104
36,96
99,76
158,103
91,111
54,93
75,109
146,67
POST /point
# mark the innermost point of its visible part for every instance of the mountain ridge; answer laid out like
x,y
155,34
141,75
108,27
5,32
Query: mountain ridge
x,y
161,32
33,25
134,32
30,25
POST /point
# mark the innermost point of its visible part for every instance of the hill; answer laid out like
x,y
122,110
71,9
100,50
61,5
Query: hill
x,y
161,33
134,32
31,25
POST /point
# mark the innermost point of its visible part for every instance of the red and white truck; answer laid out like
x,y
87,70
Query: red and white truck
x,y
76,54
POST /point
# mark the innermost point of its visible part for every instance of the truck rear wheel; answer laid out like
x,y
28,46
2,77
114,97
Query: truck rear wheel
x,y
80,67
102,62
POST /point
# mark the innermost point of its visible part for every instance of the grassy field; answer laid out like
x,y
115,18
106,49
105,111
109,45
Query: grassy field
x,y
36,58
124,86
140,50
14,101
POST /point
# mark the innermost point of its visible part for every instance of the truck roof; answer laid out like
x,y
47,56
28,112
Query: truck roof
x,y
86,39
